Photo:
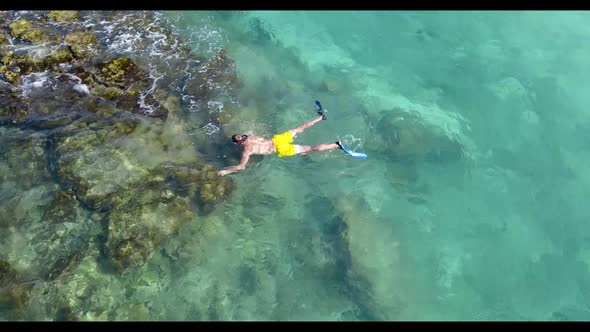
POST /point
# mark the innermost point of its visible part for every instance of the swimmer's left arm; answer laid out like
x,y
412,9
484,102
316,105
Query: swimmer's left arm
x,y
239,167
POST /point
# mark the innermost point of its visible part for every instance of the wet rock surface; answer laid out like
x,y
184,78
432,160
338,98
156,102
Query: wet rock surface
x,y
28,31
82,43
4,38
63,16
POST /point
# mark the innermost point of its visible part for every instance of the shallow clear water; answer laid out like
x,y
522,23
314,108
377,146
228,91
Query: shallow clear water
x,y
498,234
469,206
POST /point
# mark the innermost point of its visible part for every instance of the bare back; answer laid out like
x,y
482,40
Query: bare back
x,y
258,145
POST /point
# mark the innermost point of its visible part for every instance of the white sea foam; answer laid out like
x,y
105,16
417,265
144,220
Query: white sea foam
x,y
210,129
34,81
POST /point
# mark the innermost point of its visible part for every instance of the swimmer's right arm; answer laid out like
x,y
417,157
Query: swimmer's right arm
x,y
239,167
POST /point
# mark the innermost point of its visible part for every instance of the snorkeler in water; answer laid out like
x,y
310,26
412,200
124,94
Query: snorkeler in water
x,y
282,144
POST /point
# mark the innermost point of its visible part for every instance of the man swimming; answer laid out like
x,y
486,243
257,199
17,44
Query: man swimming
x,y
281,144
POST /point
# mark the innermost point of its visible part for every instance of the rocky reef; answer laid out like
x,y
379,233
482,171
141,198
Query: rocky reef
x,y
95,158
14,295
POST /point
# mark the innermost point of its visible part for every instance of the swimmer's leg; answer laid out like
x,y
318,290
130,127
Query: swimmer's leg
x,y
305,149
300,129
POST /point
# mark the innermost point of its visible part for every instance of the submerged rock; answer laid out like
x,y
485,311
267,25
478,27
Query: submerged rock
x,y
374,261
141,174
53,221
216,79
148,197
14,301
62,16
137,228
90,163
14,294
22,160
8,274
154,209
55,246
60,248
95,170
58,237
407,137
202,183
63,208
12,105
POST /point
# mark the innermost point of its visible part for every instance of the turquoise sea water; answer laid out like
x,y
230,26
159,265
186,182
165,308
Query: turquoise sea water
x,y
470,205
499,233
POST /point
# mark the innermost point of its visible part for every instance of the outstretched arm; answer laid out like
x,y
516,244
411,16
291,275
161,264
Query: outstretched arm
x,y
239,167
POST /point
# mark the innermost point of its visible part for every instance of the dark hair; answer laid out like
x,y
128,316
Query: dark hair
x,y
235,137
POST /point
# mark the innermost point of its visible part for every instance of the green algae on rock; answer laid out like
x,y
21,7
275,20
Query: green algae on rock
x,y
3,38
61,54
123,81
82,43
107,92
27,31
16,65
13,66
120,72
62,16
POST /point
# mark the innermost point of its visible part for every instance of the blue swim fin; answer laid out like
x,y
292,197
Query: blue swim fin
x,y
352,153
317,103
319,109
361,155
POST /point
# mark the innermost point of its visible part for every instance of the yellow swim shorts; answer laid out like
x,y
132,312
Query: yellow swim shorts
x,y
283,144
